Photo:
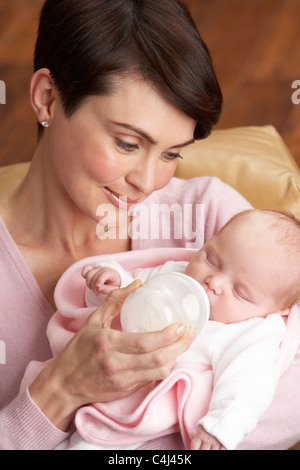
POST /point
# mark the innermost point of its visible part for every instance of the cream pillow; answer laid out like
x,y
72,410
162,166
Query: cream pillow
x,y
253,160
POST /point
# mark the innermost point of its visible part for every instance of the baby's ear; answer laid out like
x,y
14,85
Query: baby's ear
x,y
284,312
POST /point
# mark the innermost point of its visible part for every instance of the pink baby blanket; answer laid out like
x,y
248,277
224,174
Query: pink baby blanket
x,y
160,408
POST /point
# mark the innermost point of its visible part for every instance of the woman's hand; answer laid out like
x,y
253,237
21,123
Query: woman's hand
x,y
101,364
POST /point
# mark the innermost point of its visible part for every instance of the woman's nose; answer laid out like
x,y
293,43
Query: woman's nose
x,y
143,176
216,284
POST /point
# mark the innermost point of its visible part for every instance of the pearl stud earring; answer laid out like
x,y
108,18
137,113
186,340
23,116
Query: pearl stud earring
x,y
45,123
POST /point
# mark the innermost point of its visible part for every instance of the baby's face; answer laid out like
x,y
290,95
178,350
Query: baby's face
x,y
241,271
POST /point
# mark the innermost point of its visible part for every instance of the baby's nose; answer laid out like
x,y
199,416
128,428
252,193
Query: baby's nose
x,y
215,283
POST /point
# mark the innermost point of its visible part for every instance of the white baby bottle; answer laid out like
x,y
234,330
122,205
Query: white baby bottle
x,y
163,300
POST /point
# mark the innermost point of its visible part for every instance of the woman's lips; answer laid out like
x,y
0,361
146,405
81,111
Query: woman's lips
x,y
122,202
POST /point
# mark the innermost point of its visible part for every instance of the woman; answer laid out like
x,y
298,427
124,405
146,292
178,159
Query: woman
x,y
119,88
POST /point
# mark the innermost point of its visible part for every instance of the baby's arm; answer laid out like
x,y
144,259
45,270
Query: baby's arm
x,y
101,279
245,377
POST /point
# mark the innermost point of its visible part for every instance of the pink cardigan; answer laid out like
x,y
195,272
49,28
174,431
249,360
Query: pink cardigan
x,y
25,314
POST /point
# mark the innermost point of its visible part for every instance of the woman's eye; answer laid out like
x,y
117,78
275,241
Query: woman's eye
x,y
169,156
125,146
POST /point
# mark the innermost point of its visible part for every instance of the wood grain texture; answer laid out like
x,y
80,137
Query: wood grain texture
x,y
254,45
255,48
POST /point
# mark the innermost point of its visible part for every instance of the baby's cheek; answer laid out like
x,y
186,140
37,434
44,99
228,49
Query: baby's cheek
x,y
193,272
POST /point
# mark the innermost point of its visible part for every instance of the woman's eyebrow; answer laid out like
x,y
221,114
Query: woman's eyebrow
x,y
137,130
185,144
147,136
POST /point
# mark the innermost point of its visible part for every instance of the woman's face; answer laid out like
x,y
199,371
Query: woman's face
x,y
117,149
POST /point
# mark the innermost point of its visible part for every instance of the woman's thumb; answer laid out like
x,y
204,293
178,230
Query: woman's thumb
x,y
112,305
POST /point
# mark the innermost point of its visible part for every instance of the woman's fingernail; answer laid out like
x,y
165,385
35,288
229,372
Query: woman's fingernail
x,y
180,330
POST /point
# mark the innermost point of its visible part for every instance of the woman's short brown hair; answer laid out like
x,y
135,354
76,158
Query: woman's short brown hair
x,y
86,43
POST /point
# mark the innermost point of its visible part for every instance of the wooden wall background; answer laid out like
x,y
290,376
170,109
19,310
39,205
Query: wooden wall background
x,y
255,45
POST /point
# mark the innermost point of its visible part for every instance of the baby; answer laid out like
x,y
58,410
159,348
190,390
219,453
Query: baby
x,y
249,270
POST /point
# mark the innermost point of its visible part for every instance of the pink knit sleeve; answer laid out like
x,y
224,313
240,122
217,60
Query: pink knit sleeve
x,y
192,210
221,202
24,427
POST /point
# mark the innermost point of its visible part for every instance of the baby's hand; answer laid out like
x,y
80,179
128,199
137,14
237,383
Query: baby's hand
x,y
205,441
101,280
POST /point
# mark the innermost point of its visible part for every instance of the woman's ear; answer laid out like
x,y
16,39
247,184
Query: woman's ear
x,y
42,94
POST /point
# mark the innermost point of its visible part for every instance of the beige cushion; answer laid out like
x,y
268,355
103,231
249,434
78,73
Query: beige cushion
x,y
12,175
253,160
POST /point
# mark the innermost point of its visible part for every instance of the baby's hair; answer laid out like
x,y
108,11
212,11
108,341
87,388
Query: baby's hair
x,y
290,229
282,219
287,228
286,222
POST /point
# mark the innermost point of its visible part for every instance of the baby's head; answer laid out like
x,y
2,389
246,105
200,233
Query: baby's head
x,y
251,267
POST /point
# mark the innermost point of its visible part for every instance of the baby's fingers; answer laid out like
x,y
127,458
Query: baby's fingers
x,y
106,288
91,276
86,270
195,443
